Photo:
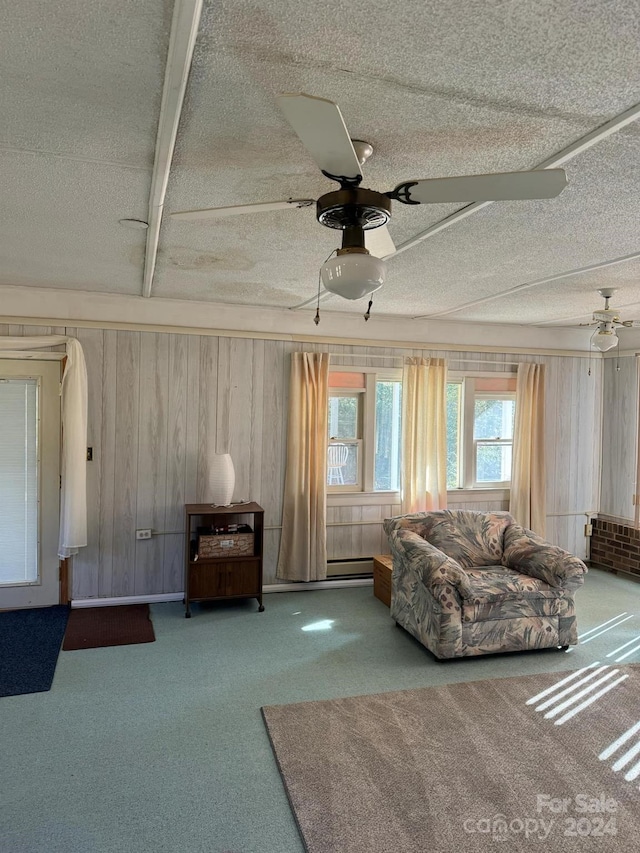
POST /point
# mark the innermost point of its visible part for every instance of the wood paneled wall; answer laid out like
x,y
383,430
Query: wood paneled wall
x,y
619,437
160,404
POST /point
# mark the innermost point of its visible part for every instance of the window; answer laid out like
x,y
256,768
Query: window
x,y
19,481
480,421
344,462
364,430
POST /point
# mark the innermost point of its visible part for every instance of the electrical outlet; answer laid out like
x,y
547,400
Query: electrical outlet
x,y
588,530
143,534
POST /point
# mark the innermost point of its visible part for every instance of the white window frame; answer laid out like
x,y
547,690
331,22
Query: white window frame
x,y
357,441
467,444
367,426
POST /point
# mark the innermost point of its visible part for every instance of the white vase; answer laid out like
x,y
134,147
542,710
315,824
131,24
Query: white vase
x,y
222,479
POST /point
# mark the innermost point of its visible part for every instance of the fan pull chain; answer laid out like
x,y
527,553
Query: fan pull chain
x,y
316,319
368,311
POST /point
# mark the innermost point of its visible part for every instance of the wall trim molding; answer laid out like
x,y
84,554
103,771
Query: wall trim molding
x,y
54,306
158,598
38,355
303,586
161,598
201,331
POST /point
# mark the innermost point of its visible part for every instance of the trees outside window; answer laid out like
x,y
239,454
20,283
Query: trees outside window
x,y
480,422
364,431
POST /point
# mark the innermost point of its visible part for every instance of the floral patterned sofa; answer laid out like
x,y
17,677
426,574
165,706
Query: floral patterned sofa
x,y
475,583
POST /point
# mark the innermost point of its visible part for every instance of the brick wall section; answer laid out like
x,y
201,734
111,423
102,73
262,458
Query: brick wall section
x,y
615,547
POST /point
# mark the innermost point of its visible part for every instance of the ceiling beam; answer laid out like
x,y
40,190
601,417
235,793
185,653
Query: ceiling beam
x,y
184,30
578,147
520,287
325,294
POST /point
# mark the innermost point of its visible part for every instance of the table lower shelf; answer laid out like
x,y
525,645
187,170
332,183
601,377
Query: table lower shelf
x,y
214,581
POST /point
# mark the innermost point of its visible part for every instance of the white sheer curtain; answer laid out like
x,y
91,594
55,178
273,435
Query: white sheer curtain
x,y
73,497
424,434
528,476
303,543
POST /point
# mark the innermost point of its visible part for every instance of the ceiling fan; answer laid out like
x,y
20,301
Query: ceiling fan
x,y
362,214
606,320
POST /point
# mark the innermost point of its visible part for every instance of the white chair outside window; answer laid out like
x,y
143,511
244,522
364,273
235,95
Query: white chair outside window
x,y
337,454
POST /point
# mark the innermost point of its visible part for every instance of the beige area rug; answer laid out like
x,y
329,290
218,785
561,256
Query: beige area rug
x,y
468,767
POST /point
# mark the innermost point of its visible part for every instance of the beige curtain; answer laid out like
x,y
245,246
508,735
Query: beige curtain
x,y
424,434
303,545
73,482
528,476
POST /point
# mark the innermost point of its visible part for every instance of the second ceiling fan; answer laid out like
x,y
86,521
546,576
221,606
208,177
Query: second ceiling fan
x,y
362,214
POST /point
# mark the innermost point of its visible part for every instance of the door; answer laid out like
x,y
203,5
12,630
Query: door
x,y
29,482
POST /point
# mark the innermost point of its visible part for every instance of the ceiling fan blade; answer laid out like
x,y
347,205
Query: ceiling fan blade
x,y
322,131
543,183
378,241
235,210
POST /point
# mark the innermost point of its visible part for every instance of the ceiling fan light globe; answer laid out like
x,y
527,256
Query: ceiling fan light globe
x,y
352,276
604,341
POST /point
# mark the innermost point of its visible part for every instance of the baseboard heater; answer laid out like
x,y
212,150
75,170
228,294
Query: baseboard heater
x,y
357,567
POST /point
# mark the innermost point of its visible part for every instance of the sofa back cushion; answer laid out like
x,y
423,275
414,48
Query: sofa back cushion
x,y
471,538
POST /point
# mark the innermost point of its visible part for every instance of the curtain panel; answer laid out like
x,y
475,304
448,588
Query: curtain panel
x,y
73,496
303,544
528,476
424,435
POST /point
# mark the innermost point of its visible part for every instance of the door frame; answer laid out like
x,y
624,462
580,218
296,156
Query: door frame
x,y
47,368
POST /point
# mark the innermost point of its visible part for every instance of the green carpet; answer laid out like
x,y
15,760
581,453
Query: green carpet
x,y
160,747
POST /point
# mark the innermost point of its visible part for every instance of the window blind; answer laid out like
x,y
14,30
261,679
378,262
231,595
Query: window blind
x,y
18,481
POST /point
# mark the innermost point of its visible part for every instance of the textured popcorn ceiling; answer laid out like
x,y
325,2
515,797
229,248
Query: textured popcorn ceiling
x,y
439,88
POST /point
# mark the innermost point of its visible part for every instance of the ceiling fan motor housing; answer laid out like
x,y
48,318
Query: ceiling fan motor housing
x,y
607,315
353,207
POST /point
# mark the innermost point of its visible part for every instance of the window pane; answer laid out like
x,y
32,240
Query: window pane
x,y
388,436
493,463
343,416
19,481
342,464
493,419
454,397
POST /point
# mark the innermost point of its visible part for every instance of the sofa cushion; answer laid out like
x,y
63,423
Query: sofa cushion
x,y
497,583
498,593
471,538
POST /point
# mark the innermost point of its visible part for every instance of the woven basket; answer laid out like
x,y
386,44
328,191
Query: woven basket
x,y
225,545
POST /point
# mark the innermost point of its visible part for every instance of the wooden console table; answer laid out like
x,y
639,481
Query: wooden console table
x,y
228,575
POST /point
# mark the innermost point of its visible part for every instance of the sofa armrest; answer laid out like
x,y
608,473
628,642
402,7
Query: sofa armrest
x,y
530,554
433,566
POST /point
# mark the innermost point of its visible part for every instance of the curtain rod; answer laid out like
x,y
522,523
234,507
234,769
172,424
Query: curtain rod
x,y
487,363
402,357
